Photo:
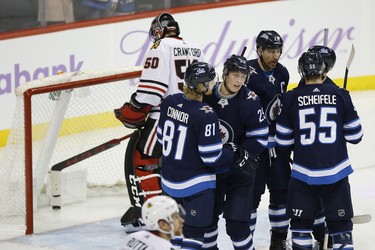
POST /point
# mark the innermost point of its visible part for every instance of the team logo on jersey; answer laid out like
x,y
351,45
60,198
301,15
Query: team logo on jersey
x,y
156,44
207,109
226,131
273,109
223,102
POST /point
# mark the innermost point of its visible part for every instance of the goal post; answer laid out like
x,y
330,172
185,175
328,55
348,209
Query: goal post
x,y
55,119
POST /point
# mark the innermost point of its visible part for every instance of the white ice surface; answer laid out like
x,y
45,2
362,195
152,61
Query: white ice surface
x,y
64,229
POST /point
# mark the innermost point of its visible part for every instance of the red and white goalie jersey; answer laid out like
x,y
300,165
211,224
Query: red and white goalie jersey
x,y
163,71
147,241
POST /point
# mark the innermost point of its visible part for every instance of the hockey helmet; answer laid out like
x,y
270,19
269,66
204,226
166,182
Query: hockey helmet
x,y
310,63
236,63
199,72
328,55
162,24
158,208
269,39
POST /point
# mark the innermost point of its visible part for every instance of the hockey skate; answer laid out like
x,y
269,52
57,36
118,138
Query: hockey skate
x,y
278,241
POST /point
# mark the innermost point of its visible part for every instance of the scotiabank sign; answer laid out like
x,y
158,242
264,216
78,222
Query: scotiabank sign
x,y
220,32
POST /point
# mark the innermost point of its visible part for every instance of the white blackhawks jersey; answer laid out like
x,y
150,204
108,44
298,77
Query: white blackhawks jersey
x,y
164,69
144,240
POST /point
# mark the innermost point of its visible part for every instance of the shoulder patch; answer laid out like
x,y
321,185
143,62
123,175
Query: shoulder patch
x,y
252,95
252,70
207,109
156,44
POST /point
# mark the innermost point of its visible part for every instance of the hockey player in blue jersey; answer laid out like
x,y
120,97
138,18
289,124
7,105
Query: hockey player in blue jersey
x,y
242,122
269,80
329,59
192,152
317,120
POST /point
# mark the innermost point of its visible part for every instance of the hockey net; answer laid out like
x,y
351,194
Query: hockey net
x,y
57,118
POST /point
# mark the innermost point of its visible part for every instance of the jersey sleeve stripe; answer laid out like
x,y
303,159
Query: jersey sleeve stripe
x,y
210,148
284,142
157,83
282,129
354,137
189,187
258,132
352,124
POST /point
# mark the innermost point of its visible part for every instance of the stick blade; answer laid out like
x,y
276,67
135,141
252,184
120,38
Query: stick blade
x,y
362,218
351,56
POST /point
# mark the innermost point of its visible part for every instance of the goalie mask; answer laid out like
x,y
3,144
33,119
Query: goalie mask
x,y
310,64
161,25
160,208
328,55
269,39
199,72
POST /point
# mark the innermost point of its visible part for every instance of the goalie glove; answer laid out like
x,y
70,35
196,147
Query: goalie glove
x,y
133,114
244,161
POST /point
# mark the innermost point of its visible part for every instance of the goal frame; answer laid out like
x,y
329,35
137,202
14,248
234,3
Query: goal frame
x,y
27,97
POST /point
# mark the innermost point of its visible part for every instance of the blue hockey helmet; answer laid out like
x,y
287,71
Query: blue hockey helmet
x,y
310,63
199,72
269,39
328,55
236,63
161,25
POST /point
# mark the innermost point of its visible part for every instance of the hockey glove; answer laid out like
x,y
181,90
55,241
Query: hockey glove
x,y
133,114
244,161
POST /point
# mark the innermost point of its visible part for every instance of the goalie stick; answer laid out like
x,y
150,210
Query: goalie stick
x,y
57,168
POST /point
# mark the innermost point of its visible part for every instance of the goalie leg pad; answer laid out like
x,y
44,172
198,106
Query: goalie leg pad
x,y
148,144
134,187
141,184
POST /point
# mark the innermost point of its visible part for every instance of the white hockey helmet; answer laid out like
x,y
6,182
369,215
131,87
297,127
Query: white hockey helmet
x,y
158,208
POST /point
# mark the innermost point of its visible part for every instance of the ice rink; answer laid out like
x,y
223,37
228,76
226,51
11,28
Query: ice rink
x,y
64,229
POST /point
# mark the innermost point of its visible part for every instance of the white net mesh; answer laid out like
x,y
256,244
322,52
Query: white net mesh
x,y
64,124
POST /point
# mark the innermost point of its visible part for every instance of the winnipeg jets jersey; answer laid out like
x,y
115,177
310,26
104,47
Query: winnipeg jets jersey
x,y
317,120
241,118
163,70
191,144
268,86
146,240
326,81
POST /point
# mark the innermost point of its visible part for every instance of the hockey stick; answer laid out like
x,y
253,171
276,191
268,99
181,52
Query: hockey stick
x,y
357,219
325,41
243,51
361,218
350,59
57,168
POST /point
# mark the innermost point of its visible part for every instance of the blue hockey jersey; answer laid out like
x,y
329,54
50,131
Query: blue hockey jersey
x,y
268,86
241,118
191,144
317,120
